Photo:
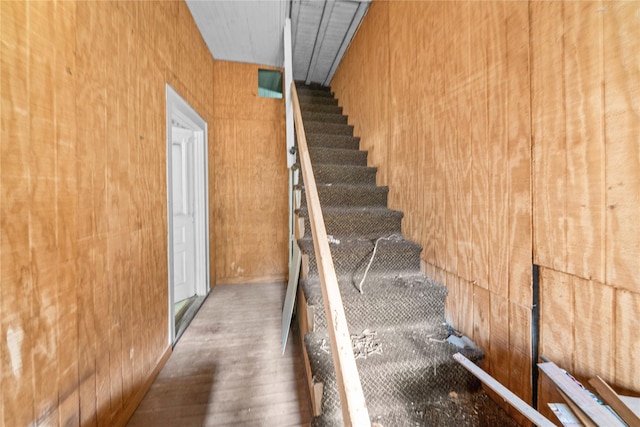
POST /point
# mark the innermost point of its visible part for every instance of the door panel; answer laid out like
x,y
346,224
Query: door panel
x,y
182,172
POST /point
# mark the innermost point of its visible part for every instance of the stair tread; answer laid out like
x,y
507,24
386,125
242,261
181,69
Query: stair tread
x,y
340,194
412,286
411,303
337,141
413,366
318,116
354,210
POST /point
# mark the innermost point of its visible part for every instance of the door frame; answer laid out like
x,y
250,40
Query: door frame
x,y
180,112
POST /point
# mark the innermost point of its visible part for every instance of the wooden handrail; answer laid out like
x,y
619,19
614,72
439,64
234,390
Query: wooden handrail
x,y
354,407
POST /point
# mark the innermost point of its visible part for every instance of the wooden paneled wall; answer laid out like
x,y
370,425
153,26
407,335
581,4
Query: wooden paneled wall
x,y
509,134
250,193
585,99
83,256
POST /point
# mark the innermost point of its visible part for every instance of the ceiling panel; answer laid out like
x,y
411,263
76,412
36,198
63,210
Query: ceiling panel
x,y
252,31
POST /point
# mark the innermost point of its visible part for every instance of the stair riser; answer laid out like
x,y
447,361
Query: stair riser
x,y
312,100
351,196
324,117
337,157
321,108
335,174
333,141
369,225
328,128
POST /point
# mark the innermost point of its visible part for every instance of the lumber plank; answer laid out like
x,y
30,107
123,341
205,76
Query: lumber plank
x,y
632,402
596,412
611,397
526,410
565,415
584,419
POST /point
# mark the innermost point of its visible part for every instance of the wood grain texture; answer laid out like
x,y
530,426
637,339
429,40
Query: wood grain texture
x,y
478,58
519,154
627,338
557,317
611,398
549,134
249,165
497,146
584,201
594,314
520,355
82,193
18,374
622,126
228,367
459,147
537,103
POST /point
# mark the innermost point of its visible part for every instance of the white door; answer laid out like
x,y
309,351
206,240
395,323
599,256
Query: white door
x,y
184,247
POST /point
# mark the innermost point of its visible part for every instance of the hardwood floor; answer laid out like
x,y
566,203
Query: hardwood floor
x,y
227,369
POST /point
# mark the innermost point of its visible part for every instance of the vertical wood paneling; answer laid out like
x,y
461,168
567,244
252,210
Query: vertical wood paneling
x,y
479,146
17,367
556,317
402,60
482,321
519,355
499,345
462,121
82,194
250,178
42,220
548,132
622,127
447,142
497,146
584,202
439,141
519,154
2,350
540,107
627,339
594,317
459,154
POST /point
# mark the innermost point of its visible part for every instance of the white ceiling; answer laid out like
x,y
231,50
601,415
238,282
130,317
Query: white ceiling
x,y
252,31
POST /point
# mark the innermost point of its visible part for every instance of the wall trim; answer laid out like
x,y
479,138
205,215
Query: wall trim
x,y
134,402
249,280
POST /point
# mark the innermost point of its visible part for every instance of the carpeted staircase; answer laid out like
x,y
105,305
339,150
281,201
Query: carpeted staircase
x,y
397,322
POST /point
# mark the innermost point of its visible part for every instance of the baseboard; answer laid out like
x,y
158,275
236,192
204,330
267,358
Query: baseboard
x,y
133,403
246,280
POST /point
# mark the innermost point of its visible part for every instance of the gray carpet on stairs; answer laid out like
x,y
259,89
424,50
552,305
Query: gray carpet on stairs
x,y
411,378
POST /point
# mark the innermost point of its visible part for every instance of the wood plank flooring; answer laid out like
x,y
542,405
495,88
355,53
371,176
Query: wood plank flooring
x,y
227,369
